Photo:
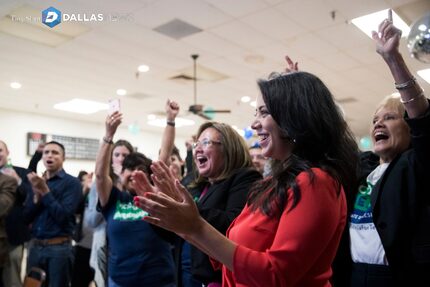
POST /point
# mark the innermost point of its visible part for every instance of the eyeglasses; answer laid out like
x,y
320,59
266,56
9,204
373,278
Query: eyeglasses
x,y
205,143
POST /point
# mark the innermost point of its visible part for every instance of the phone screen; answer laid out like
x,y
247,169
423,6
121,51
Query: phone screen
x,y
114,105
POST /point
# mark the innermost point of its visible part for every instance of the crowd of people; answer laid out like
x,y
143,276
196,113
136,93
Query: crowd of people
x,y
303,206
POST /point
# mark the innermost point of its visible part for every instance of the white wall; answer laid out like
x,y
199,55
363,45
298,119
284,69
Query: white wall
x,y
14,127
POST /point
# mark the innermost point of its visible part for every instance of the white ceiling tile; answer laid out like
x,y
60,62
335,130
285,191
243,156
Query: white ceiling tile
x,y
271,22
228,67
311,45
311,14
212,43
343,35
278,52
195,12
238,8
273,2
338,61
365,54
353,9
242,34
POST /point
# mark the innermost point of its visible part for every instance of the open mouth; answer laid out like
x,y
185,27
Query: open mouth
x,y
49,162
263,137
380,136
202,159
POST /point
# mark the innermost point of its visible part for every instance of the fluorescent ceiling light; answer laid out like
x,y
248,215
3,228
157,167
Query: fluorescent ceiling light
x,y
81,106
15,85
121,92
179,122
245,99
253,104
425,74
143,68
370,22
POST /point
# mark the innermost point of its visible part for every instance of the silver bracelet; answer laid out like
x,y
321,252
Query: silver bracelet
x,y
405,102
405,85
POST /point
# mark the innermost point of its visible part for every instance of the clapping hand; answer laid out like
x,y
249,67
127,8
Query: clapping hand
x,y
39,186
162,178
180,217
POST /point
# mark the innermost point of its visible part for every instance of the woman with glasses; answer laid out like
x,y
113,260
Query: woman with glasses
x,y
289,230
225,174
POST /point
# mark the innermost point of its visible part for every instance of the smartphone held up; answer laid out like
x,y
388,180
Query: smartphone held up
x,y
114,106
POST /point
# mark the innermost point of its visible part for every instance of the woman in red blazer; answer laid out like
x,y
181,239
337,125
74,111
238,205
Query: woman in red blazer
x,y
290,228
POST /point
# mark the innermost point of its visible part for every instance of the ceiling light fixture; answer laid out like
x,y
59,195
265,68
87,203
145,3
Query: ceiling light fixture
x,y
121,92
245,99
15,85
81,106
425,74
370,22
143,68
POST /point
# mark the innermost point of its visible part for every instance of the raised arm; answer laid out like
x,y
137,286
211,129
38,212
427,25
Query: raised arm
x,y
387,45
103,180
37,156
168,140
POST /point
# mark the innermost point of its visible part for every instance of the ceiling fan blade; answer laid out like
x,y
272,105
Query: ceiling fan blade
x,y
203,116
217,111
196,108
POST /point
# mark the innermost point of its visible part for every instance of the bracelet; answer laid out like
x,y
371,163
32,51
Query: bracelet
x,y
108,141
405,85
405,102
170,123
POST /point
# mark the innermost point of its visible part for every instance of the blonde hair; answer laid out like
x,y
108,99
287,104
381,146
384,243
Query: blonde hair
x,y
392,102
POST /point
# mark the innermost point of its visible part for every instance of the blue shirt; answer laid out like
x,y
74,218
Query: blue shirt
x,y
54,214
138,256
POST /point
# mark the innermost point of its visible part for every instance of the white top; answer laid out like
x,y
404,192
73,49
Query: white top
x,y
366,245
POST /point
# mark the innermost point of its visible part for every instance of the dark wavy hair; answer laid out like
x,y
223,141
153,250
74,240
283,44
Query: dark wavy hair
x,y
307,114
137,160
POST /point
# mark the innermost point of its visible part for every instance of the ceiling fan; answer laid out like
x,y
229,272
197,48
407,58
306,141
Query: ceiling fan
x,y
197,109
